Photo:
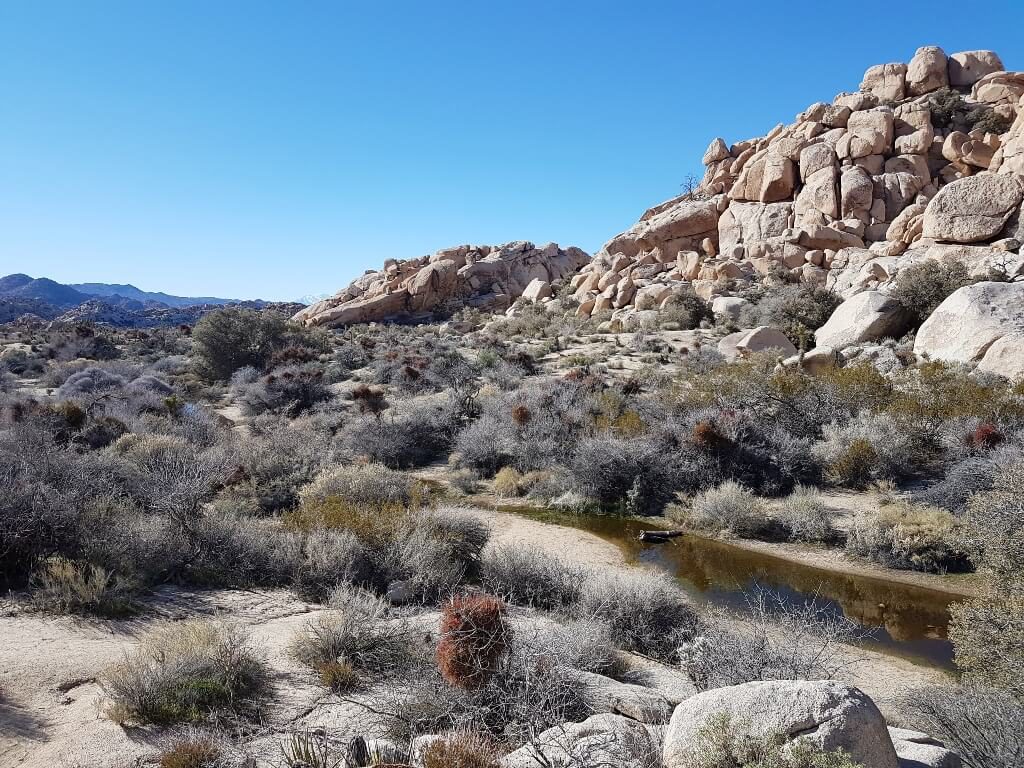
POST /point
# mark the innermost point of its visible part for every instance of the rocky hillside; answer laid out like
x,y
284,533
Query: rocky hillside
x,y
924,162
483,276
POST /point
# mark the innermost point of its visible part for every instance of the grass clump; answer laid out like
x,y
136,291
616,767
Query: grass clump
x,y
191,751
461,749
185,673
62,586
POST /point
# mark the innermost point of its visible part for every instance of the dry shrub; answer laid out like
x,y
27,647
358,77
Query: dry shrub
x,y
508,482
368,485
372,525
62,586
529,576
186,672
461,749
644,612
357,631
731,508
805,517
474,637
191,751
911,537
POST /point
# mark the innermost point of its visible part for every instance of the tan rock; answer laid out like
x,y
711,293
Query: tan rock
x,y
968,67
717,150
927,71
972,209
887,82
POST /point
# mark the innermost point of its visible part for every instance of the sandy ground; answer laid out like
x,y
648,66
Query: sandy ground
x,y
51,707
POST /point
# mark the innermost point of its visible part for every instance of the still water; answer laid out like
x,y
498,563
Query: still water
x,y
908,620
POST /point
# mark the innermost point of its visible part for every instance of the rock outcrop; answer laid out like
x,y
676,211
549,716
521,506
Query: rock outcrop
x,y
981,323
827,715
843,197
487,277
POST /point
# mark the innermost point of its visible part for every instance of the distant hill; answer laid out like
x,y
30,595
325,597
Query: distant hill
x,y
43,289
108,290
20,286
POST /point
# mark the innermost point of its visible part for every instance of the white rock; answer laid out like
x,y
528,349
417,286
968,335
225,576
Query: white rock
x,y
868,316
765,338
981,323
972,209
829,715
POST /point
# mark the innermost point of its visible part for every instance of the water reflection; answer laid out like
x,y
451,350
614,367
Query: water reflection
x,y
911,621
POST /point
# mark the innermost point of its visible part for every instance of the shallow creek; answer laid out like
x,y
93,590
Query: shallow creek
x,y
908,620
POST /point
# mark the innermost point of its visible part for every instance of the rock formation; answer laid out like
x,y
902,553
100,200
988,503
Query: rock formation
x,y
482,276
844,197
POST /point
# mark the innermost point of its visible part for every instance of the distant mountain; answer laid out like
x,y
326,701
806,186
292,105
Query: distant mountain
x,y
108,290
24,287
19,286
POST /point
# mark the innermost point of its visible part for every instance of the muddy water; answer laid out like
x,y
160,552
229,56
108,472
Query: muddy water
x,y
908,620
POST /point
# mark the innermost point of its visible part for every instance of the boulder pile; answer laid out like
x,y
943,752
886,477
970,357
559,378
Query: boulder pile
x,y
482,276
924,161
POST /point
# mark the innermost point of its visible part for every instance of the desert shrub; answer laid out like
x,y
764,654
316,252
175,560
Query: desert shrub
x,y
921,287
686,310
436,550
796,310
292,391
645,612
276,461
910,537
993,532
357,630
411,437
228,339
461,749
62,586
985,727
191,750
508,482
529,576
988,638
186,672
990,121
805,517
474,637
464,481
636,476
732,508
869,447
365,485
949,111
962,480
88,382
773,639
726,743
332,558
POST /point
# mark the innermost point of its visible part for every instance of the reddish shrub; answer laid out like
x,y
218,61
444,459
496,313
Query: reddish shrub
x,y
474,637
985,436
707,437
369,400
521,415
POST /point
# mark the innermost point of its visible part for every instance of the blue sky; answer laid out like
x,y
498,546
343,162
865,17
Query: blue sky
x,y
257,149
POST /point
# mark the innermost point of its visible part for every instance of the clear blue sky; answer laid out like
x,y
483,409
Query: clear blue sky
x,y
250,149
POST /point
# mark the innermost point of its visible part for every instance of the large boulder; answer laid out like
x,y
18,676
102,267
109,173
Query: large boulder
x,y
867,316
968,67
765,338
919,750
981,323
887,82
972,209
671,227
927,71
600,740
828,715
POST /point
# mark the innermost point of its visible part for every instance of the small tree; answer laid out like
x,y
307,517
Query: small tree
x,y
228,339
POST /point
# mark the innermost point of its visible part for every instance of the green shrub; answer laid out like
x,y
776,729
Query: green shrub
x,y
686,310
184,673
921,287
228,339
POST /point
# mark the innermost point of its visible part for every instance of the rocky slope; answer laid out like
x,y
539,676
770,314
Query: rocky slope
x,y
844,196
483,276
